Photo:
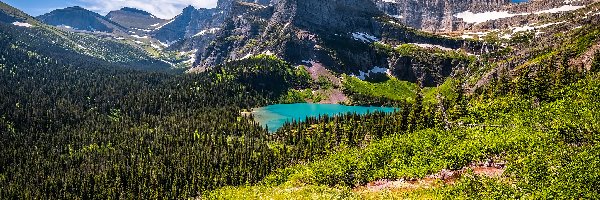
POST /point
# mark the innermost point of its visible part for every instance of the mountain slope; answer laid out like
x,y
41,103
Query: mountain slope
x,y
338,34
81,19
134,18
187,24
194,28
29,34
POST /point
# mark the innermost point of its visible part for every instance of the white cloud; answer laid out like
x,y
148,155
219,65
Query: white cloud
x,y
165,9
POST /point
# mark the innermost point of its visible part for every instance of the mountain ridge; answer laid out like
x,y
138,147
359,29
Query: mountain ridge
x,y
81,19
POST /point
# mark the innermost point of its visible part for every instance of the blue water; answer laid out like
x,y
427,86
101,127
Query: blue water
x,y
274,116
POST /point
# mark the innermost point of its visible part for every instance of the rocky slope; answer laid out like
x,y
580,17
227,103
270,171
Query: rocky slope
x,y
23,32
185,25
194,27
79,18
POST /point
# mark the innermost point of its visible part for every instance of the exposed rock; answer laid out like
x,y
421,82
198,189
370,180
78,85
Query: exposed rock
x,y
435,15
441,15
187,24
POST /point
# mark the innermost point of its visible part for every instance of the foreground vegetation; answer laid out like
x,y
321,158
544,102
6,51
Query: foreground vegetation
x,y
550,148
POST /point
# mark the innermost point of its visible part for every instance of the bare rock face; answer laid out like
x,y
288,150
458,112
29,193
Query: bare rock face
x,y
296,30
435,15
440,15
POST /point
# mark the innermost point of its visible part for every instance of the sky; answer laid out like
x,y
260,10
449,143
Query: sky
x,y
165,9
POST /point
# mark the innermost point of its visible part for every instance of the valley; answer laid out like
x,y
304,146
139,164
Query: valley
x,y
303,99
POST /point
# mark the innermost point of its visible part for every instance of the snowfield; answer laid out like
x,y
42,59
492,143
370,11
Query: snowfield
x,y
364,37
22,24
475,18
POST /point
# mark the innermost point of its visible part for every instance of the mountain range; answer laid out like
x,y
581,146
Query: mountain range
x,y
343,36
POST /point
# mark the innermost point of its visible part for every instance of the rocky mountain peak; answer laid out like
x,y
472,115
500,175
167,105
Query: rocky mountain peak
x,y
189,9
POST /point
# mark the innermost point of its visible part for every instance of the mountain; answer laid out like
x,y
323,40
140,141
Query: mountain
x,y
25,33
135,19
79,18
190,22
344,36
10,15
503,106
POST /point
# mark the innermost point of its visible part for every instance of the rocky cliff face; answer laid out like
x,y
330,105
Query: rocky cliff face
x,y
440,15
193,28
435,15
185,25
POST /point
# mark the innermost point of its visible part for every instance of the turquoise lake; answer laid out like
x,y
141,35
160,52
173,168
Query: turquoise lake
x,y
274,116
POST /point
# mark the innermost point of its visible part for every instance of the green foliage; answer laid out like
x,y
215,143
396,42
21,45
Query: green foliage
x,y
551,150
300,96
324,83
392,89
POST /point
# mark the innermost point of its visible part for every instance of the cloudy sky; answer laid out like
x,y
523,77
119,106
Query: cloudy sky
x,y
161,8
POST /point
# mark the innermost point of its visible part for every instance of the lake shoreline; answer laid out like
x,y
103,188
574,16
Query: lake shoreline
x,y
276,115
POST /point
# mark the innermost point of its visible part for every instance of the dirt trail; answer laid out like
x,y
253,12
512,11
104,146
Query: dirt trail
x,y
586,59
488,169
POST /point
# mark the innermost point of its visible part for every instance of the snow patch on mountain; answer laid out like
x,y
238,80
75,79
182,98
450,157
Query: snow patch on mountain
x,y
427,46
475,18
376,70
22,24
364,37
529,28
564,8
139,37
207,31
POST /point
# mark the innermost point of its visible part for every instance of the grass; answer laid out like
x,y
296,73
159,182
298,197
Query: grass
x,y
391,89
